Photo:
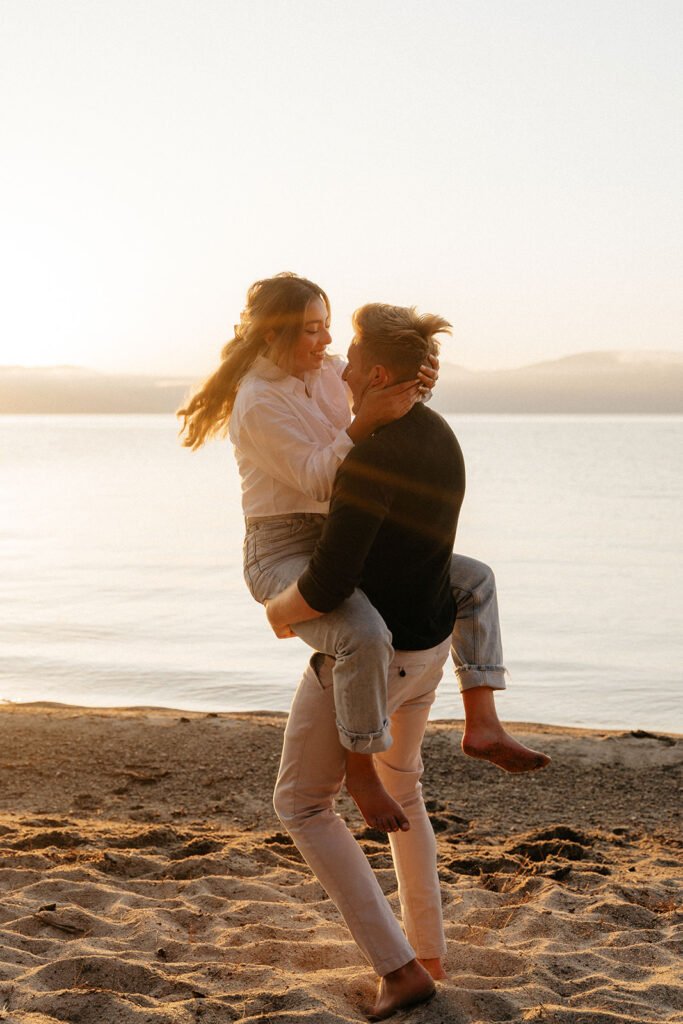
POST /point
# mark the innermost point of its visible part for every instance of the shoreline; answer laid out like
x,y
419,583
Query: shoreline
x,y
145,878
515,725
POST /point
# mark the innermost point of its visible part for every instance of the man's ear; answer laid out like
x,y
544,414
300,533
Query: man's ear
x,y
380,376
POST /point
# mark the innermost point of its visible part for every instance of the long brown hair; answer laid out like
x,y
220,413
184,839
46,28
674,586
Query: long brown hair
x,y
275,306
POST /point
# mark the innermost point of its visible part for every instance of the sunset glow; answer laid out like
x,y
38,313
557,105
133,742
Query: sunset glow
x,y
510,166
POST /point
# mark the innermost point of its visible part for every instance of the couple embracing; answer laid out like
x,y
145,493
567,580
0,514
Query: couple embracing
x,y
350,527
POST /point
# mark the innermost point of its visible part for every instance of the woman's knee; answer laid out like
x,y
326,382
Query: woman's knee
x,y
368,637
472,575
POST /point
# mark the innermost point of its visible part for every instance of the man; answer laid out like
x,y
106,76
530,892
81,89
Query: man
x,y
390,531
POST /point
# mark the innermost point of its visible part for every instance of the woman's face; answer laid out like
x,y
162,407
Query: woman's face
x,y
309,349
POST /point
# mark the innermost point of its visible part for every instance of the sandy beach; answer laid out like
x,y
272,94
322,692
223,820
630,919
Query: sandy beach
x,y
145,879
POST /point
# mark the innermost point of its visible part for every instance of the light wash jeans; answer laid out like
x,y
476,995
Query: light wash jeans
x,y
277,549
311,776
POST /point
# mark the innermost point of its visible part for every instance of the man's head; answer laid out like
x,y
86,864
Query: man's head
x,y
389,346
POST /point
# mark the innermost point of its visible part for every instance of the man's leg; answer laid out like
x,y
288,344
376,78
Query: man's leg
x,y
413,678
477,654
311,775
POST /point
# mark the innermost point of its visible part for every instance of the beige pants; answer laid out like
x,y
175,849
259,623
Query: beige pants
x,y
311,775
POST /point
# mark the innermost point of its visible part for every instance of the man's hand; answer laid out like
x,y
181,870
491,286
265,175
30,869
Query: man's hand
x,y
282,632
288,606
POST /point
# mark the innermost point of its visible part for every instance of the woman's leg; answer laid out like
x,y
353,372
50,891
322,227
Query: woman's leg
x,y
477,654
276,553
354,634
477,650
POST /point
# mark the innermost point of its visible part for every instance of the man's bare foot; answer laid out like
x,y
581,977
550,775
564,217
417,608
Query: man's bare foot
x,y
408,986
434,966
498,747
379,810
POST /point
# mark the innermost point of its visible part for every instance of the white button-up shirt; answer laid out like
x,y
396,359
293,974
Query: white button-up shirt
x,y
290,437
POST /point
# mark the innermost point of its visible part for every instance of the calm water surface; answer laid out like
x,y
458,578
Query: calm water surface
x,y
121,568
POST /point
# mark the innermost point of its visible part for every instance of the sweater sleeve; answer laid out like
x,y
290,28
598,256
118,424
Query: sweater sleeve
x,y
360,503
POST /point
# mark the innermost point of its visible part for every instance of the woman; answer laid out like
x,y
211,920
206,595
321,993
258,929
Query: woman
x,y
284,403
289,419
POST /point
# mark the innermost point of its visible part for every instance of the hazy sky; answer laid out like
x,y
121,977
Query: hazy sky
x,y
512,164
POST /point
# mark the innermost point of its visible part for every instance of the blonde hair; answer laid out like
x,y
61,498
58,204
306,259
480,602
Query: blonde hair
x,y
397,337
275,306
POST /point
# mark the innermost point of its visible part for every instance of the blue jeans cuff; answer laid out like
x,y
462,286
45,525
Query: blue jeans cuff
x,y
471,676
365,742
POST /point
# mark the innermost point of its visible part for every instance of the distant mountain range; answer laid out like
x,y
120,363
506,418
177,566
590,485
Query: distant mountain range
x,y
591,382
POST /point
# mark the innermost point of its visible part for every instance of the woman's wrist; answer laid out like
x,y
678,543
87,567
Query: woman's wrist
x,y
359,428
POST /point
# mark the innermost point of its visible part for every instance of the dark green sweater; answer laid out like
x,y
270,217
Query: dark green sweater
x,y
391,528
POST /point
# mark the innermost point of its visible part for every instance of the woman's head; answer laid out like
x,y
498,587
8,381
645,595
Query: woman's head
x,y
286,318
278,312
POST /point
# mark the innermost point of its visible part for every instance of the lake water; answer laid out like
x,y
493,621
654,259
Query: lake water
x,y
121,568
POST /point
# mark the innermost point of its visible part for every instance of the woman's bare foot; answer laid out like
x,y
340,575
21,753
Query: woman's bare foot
x,y
498,747
408,986
379,810
434,966
486,739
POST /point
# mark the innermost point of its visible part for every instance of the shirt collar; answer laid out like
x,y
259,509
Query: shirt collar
x,y
267,369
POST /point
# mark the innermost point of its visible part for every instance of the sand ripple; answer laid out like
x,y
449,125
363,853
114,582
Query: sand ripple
x,y
143,882
162,924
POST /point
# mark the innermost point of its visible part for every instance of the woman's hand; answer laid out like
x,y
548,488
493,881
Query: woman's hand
x,y
428,375
381,405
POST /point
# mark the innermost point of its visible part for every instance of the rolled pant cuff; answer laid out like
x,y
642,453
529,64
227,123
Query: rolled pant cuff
x,y
431,953
471,676
365,742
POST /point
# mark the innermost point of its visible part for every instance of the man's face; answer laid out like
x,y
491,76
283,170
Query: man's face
x,y
356,375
